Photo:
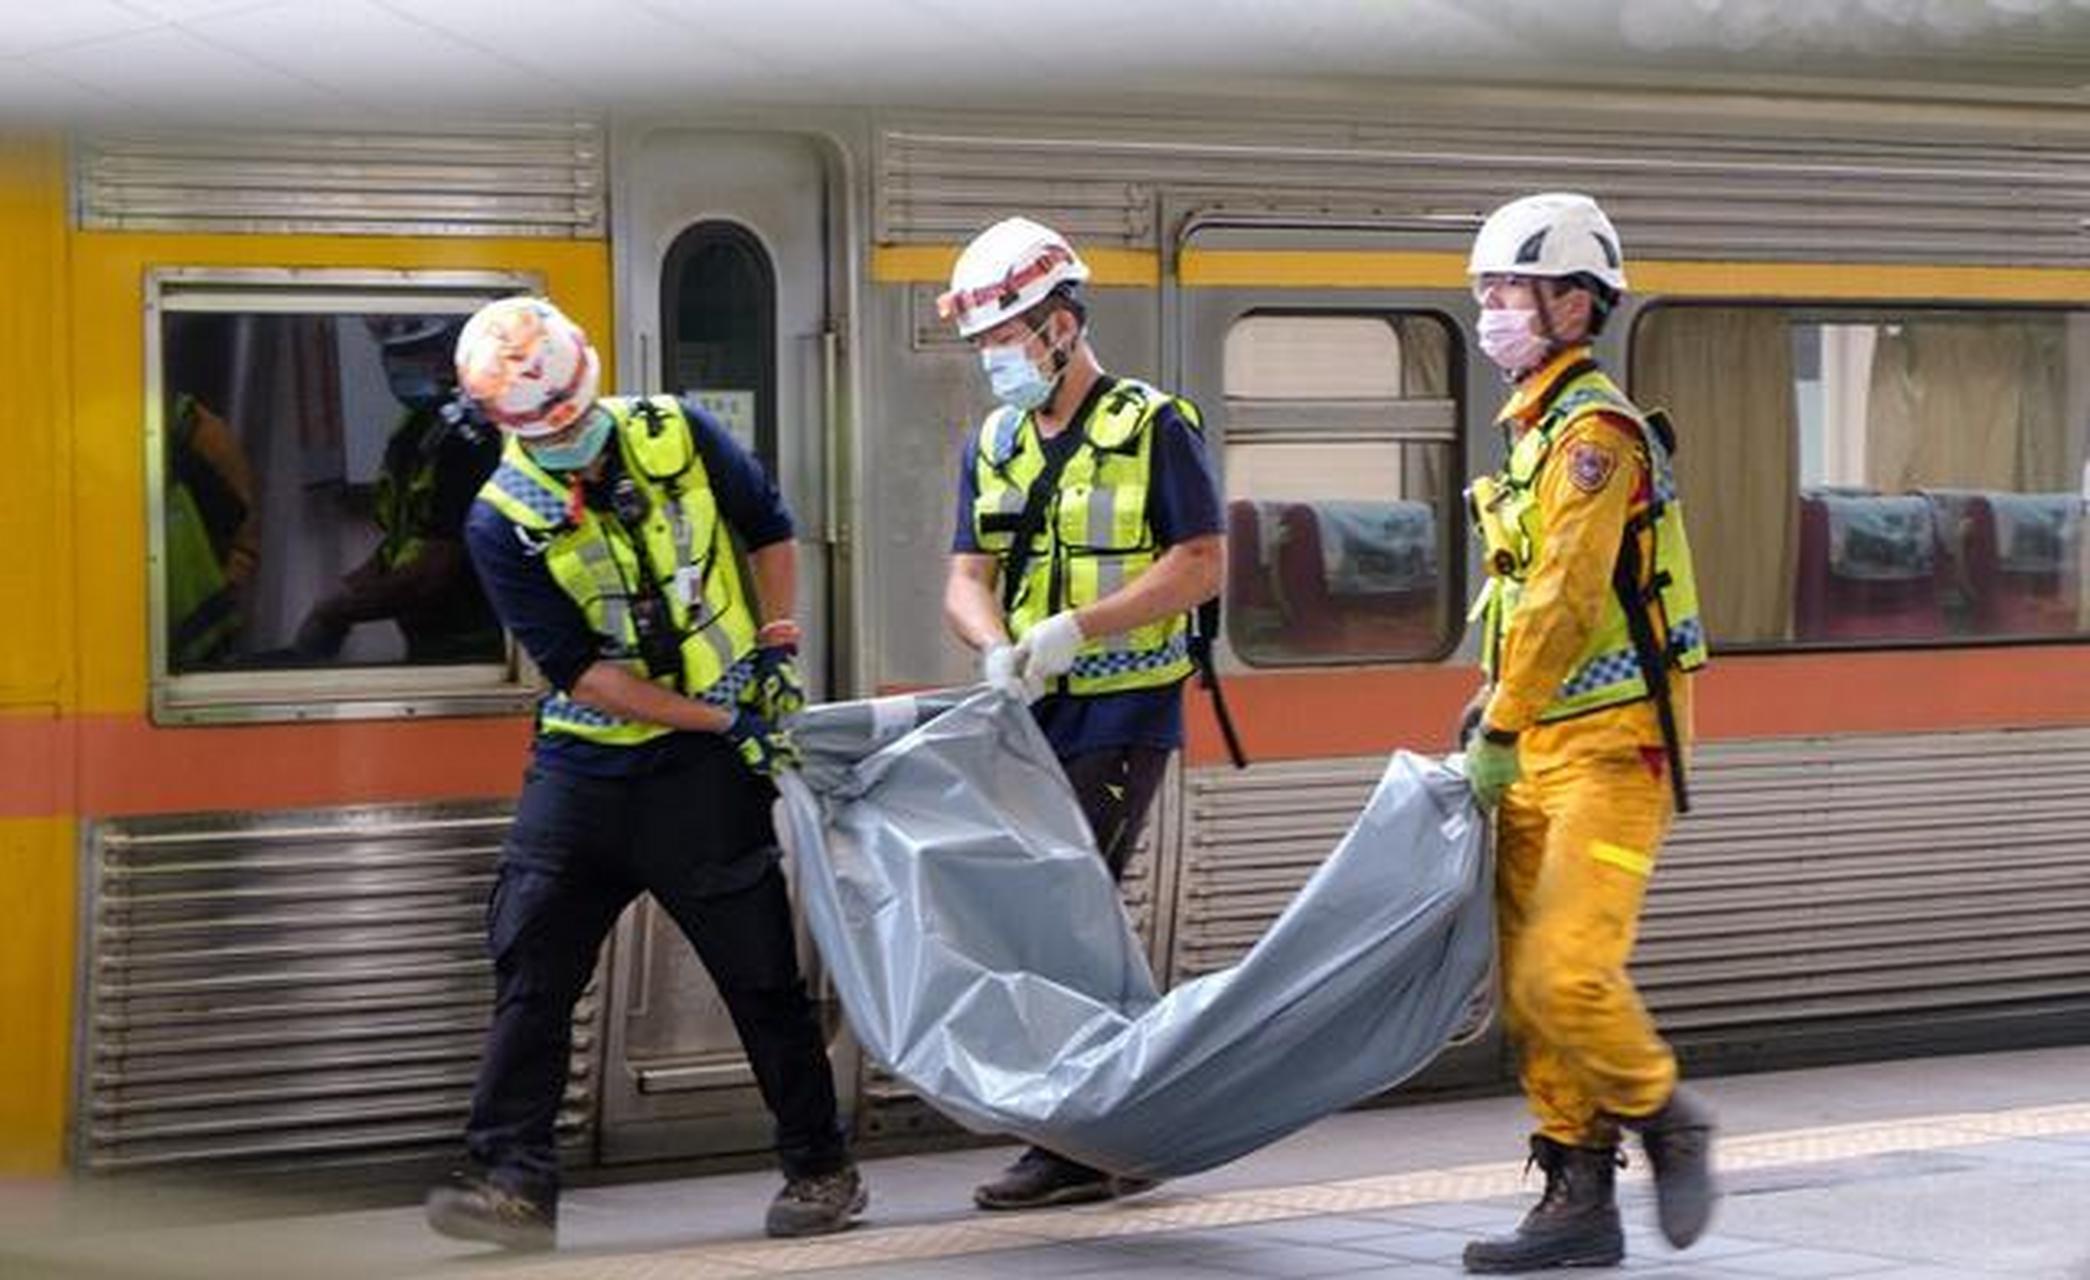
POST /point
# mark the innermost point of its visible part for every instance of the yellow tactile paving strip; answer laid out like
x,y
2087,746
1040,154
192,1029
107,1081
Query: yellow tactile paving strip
x,y
874,1246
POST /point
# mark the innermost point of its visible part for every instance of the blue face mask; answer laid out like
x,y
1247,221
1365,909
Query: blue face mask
x,y
1015,379
417,389
577,452
418,379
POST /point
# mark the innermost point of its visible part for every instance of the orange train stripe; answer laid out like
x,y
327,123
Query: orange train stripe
x,y
113,764
102,765
1308,714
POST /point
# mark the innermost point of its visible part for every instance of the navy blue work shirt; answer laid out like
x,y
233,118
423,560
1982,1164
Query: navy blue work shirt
x,y
550,625
1182,504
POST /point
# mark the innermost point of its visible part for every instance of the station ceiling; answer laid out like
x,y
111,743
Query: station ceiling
x,y
403,59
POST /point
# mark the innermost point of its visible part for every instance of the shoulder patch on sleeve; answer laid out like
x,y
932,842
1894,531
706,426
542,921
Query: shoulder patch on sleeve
x,y
1590,465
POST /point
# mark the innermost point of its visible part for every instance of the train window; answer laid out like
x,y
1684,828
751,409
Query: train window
x,y
310,481
718,304
1342,475
1872,476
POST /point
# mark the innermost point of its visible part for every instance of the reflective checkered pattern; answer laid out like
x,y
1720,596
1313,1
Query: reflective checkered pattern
x,y
517,484
1096,666
726,692
560,709
1620,666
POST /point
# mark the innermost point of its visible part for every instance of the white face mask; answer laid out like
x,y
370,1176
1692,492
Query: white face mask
x,y
1016,381
1511,339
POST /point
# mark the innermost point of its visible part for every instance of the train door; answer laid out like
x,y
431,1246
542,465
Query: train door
x,y
722,262
1332,365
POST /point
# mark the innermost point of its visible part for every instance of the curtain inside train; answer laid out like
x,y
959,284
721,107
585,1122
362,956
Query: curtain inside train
x,y
1725,374
1969,403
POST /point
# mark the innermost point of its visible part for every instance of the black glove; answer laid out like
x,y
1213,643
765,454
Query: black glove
x,y
765,748
776,691
1469,718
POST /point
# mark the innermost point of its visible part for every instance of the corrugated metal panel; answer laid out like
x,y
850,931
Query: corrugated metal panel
x,y
291,989
1816,882
1705,194
1826,880
530,180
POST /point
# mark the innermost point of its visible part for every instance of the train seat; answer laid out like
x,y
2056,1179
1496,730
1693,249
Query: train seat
x,y
1251,576
1868,568
2024,562
1361,577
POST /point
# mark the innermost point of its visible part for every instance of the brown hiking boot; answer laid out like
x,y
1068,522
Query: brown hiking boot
x,y
1679,1144
472,1208
1574,1223
819,1204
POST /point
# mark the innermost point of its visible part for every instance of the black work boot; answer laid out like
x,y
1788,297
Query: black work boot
x,y
1679,1143
819,1204
470,1207
1574,1224
1039,1178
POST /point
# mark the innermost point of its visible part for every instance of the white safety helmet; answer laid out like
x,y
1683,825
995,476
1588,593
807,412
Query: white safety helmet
x,y
531,370
1553,235
1009,268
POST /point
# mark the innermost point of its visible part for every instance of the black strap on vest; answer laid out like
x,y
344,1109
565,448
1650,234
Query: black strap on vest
x,y
1652,658
1035,503
1204,629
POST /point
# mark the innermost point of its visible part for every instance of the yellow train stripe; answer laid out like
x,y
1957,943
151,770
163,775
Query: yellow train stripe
x,y
873,1245
931,264
1621,857
1399,269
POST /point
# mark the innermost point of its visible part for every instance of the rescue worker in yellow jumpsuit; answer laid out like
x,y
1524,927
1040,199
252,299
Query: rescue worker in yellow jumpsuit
x,y
1590,634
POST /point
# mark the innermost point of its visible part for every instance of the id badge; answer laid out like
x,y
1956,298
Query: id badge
x,y
689,585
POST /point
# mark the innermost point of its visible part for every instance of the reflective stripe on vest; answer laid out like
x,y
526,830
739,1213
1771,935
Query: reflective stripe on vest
x,y
1095,537
1607,671
595,561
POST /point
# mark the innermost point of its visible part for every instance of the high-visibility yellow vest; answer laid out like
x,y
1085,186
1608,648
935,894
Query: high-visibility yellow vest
x,y
1607,671
405,505
684,549
202,608
1095,536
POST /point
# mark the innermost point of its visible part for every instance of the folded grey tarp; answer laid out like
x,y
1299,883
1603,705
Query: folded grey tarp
x,y
981,953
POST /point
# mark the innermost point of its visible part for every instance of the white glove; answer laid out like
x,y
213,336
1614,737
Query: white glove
x,y
998,667
1047,650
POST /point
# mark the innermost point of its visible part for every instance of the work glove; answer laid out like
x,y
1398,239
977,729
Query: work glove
x,y
998,667
777,690
1490,768
765,748
1047,650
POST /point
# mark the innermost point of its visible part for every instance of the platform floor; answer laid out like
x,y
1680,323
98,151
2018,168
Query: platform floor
x,y
1937,1167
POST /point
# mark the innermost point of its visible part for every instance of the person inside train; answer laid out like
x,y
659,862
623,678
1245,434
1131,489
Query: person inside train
x,y
213,535
1590,632
1088,526
605,539
418,575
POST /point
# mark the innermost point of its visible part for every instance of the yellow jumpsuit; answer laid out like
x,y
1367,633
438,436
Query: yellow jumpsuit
x,y
1576,835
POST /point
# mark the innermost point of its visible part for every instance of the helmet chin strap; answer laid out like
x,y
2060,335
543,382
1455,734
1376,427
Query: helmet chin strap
x,y
1554,342
1061,357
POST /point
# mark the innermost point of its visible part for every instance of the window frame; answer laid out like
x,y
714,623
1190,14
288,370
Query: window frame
x,y
1834,310
1336,421
400,691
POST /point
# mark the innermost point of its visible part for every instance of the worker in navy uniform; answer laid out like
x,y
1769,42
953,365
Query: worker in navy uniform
x,y
605,540
1088,528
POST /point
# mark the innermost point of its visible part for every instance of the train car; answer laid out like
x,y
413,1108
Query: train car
x,y
250,840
